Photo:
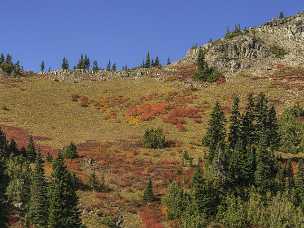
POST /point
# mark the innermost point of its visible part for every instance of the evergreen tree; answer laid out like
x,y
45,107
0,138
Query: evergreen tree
x,y
87,62
148,193
3,143
109,66
42,66
216,132
247,128
65,64
261,114
71,151
299,184
95,66
168,61
38,203
272,129
63,201
148,61
157,62
2,58
234,131
114,68
203,194
31,150
12,148
281,16
265,170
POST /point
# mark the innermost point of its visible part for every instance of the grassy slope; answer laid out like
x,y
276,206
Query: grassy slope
x,y
45,108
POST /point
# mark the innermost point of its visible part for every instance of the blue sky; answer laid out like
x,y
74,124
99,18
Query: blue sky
x,y
122,30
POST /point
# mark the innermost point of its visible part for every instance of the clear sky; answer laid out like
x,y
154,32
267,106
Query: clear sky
x,y
123,30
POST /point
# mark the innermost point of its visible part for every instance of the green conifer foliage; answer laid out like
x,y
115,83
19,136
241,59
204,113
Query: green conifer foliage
x,y
234,131
148,193
38,203
31,150
216,132
63,201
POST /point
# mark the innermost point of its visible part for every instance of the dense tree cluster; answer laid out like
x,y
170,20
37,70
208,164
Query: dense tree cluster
x,y
8,66
39,201
243,183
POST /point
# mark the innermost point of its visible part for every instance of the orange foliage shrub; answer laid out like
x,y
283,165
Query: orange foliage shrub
x,y
150,218
148,111
84,101
177,116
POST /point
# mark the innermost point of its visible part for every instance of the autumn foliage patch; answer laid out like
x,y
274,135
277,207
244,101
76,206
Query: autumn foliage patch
x,y
148,112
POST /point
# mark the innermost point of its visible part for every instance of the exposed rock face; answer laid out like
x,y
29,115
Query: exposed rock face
x,y
278,41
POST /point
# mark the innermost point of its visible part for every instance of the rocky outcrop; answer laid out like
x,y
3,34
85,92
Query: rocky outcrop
x,y
277,41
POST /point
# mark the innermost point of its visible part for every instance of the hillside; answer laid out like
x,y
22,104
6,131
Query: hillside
x,y
106,114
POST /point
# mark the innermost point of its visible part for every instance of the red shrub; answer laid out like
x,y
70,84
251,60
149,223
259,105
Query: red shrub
x,y
84,101
148,111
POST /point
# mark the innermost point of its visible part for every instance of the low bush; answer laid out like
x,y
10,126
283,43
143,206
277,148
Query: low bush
x,y
70,152
84,101
154,139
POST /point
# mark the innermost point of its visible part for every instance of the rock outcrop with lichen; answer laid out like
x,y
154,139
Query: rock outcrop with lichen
x,y
280,41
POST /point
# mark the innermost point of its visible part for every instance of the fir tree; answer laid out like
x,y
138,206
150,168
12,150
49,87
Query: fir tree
x,y
12,148
65,64
299,180
261,119
63,201
203,194
148,61
109,66
87,62
216,132
71,151
38,204
272,129
95,66
234,131
148,193
31,150
2,58
168,61
42,66
157,62
265,170
114,67
247,128
3,143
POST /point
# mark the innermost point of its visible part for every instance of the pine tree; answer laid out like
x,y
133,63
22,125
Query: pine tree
x,y
247,128
65,64
12,148
114,67
216,132
234,131
203,194
109,66
261,119
148,61
203,72
42,66
2,58
265,170
38,203
272,129
148,193
168,61
31,150
71,151
299,184
3,143
95,67
63,201
157,62
87,62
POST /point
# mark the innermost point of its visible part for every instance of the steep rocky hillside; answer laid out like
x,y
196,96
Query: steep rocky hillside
x,y
280,41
